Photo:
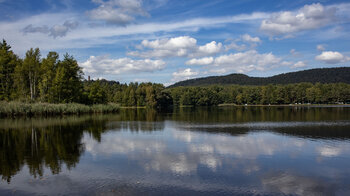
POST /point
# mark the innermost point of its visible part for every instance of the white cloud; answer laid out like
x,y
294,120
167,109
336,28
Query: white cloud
x,y
177,46
104,65
308,17
184,74
172,43
320,47
118,12
89,36
182,46
331,57
243,62
209,49
299,64
248,38
235,46
240,43
201,61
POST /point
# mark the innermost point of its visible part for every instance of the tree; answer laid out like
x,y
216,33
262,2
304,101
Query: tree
x,y
48,67
97,94
8,63
67,85
31,69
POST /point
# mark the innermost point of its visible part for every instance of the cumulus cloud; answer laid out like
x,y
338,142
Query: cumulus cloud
x,y
104,65
201,61
182,46
308,17
119,12
55,31
299,64
184,74
331,57
320,47
243,62
208,49
248,38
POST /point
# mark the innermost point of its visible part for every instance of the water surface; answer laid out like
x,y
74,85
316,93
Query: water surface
x,y
188,151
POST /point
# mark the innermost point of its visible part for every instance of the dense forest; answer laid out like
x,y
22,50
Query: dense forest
x,y
321,75
300,93
50,79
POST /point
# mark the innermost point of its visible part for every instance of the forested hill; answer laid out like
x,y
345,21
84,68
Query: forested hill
x,y
323,75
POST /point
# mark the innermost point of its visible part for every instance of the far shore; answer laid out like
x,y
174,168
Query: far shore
x,y
276,105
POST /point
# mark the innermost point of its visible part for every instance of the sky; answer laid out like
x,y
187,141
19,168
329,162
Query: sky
x,y
166,41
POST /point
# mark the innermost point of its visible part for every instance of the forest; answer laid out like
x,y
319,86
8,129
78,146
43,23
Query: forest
x,y
321,75
34,79
51,80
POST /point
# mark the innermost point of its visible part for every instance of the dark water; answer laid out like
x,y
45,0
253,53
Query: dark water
x,y
203,151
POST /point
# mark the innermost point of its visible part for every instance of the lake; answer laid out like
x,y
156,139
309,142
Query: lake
x,y
186,151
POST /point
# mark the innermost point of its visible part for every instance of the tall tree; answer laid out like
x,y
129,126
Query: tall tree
x,y
31,68
48,68
67,85
8,63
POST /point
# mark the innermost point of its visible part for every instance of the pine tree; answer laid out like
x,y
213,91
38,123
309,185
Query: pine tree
x,y
8,63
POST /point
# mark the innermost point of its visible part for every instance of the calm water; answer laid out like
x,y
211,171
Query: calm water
x,y
207,151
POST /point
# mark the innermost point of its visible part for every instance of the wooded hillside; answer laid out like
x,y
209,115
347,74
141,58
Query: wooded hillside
x,y
322,75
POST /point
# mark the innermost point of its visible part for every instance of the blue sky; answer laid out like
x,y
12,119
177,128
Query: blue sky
x,y
166,41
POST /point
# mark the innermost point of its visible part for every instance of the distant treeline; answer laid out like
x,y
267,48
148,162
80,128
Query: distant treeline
x,y
269,94
51,80
321,75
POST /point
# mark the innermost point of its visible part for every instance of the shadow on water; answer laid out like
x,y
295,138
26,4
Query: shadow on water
x,y
41,143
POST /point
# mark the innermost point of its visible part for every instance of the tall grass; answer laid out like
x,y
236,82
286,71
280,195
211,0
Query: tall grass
x,y
47,109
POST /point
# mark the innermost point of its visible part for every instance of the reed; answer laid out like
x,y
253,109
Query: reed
x,y
48,109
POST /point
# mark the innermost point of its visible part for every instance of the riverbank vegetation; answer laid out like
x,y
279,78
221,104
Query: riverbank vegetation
x,y
50,85
47,109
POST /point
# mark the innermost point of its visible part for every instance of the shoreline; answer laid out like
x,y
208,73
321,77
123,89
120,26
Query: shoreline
x,y
14,109
280,105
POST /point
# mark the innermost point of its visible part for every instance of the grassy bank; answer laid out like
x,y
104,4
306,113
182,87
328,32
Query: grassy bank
x,y
47,109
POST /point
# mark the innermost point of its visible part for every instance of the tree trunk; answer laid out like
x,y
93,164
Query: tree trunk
x,y
31,86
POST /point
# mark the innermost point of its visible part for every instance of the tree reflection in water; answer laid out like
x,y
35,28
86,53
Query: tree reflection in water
x,y
41,143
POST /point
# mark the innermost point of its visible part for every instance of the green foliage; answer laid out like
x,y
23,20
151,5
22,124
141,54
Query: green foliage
x,y
51,80
49,67
8,63
47,109
31,71
300,93
67,84
323,75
